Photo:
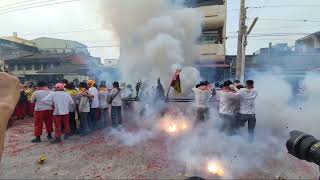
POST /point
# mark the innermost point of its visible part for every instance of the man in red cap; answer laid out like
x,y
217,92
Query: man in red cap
x,y
61,102
42,112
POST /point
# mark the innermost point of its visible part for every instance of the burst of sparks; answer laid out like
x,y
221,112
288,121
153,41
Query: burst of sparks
x,y
172,128
215,168
174,125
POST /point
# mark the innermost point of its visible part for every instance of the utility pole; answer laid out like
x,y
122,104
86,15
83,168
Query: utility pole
x,y
244,46
241,37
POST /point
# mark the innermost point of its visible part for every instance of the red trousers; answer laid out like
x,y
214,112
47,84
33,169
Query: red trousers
x,y
58,120
41,117
20,111
31,108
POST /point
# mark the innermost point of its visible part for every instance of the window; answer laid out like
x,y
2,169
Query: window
x,y
37,67
12,67
210,37
46,66
28,67
20,67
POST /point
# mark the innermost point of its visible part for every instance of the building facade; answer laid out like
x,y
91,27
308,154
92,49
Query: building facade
x,y
48,59
212,43
53,45
291,63
309,44
13,47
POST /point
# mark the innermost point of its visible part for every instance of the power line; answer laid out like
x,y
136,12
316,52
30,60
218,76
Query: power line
x,y
287,27
271,39
65,32
293,20
49,4
275,35
17,3
24,4
277,6
279,33
87,47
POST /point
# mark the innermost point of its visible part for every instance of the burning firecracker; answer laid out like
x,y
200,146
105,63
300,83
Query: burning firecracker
x,y
215,168
173,125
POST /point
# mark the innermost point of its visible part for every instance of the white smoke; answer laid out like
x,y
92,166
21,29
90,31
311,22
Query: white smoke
x,y
155,40
306,118
132,138
275,119
154,36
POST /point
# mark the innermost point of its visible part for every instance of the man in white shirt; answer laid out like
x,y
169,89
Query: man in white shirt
x,y
94,95
202,94
61,102
103,98
227,108
42,112
115,99
248,96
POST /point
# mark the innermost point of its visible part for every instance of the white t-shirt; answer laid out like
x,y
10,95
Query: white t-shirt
x,y
95,100
117,101
247,100
103,98
84,104
202,97
37,97
228,102
60,100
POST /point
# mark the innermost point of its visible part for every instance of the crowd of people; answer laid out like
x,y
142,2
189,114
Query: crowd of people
x,y
57,108
236,105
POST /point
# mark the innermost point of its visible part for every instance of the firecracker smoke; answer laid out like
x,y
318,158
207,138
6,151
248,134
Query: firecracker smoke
x,y
155,40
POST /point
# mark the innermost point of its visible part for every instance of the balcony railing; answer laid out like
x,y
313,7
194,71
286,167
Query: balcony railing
x,y
211,53
198,3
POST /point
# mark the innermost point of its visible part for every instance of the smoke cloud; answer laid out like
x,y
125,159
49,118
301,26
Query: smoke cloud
x,y
155,38
276,117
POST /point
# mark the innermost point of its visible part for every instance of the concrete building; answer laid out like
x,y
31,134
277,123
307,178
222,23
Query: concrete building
x,y
291,63
212,43
111,62
309,44
53,67
53,45
13,47
277,49
48,59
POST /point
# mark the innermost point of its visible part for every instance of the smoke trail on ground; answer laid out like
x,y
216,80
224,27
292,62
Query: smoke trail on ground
x,y
275,118
132,138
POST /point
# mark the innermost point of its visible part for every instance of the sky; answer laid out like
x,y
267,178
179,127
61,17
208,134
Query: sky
x,y
82,22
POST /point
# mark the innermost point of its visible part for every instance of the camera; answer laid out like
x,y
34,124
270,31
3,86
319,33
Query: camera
x,y
304,146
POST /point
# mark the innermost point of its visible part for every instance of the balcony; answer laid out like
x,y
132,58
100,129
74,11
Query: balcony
x,y
211,53
198,3
214,16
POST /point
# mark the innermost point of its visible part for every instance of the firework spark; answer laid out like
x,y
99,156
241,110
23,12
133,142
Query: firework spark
x,y
215,168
